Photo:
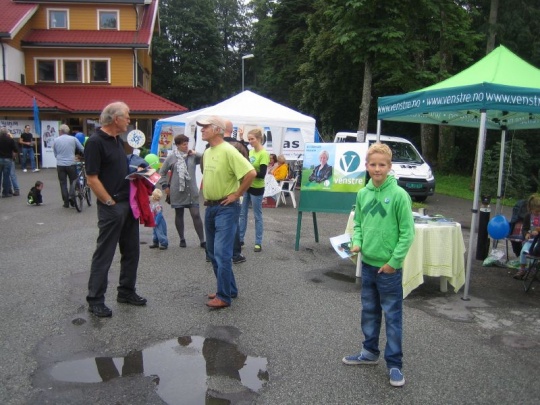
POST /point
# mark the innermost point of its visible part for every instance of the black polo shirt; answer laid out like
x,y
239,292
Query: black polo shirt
x,y
104,155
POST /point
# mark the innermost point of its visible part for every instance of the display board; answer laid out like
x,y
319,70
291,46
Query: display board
x,y
332,175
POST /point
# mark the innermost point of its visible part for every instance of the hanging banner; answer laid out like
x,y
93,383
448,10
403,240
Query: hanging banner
x,y
49,132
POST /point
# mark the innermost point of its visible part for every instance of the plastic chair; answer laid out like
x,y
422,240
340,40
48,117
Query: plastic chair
x,y
287,188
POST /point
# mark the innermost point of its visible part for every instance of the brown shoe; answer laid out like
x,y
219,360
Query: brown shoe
x,y
217,304
519,275
211,296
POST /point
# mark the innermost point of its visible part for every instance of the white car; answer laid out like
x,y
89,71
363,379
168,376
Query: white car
x,y
408,166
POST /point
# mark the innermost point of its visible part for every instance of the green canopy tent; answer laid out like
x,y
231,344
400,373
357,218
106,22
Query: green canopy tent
x,y
501,91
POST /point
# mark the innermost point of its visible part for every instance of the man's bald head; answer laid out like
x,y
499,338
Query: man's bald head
x,y
228,128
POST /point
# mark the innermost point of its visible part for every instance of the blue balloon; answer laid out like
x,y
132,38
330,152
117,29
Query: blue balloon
x,y
498,227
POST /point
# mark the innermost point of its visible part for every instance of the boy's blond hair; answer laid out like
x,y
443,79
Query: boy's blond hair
x,y
157,194
381,148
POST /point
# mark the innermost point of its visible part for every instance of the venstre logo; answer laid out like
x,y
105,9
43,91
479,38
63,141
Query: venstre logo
x,y
349,162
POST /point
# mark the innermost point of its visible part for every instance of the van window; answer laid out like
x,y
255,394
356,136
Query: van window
x,y
403,152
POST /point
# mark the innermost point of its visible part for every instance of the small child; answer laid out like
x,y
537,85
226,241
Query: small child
x,y
531,226
383,233
159,235
34,195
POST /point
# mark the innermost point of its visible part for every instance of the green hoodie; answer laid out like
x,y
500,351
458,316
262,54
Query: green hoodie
x,y
383,223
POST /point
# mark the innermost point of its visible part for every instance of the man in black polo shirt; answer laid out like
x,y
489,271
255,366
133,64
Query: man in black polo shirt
x,y
106,169
27,142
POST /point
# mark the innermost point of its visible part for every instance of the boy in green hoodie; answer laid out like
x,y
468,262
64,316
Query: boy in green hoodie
x,y
383,233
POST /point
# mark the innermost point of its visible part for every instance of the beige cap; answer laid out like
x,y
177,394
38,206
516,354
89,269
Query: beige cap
x,y
213,120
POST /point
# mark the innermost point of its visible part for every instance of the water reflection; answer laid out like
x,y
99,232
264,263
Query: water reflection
x,y
187,370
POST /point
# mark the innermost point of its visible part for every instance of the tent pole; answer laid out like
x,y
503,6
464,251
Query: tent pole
x,y
379,125
498,209
479,161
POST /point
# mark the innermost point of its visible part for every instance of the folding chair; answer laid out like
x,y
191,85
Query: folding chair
x,y
531,273
287,188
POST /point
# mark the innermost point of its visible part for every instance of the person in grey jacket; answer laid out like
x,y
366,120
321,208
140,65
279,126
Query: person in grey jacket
x,y
179,183
65,147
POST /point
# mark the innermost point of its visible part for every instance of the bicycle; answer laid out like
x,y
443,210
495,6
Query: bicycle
x,y
81,189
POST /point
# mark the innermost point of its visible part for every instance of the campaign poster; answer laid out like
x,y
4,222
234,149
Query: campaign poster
x,y
49,133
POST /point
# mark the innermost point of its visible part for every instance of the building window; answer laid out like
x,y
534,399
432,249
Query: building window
x,y
46,71
58,18
72,71
108,20
99,71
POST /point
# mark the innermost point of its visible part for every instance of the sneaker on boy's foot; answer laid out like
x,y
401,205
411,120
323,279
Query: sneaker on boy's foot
x,y
35,170
239,259
24,170
396,377
357,359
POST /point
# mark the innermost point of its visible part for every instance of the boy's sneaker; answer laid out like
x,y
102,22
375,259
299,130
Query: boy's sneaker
x,y
358,359
239,259
24,170
396,377
257,248
35,170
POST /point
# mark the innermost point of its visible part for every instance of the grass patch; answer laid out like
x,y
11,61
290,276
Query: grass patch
x,y
459,186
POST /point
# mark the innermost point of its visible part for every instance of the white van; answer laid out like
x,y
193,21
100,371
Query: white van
x,y
408,167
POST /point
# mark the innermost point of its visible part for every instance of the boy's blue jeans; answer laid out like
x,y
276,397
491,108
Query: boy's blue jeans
x,y
382,292
159,235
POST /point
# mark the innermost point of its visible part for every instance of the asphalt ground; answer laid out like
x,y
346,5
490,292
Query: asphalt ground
x,y
296,316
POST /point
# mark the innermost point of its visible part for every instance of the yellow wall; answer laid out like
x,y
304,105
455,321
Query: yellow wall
x,y
121,62
16,41
85,16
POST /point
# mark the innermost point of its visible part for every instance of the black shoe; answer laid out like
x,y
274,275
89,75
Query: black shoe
x,y
100,310
242,243
183,243
163,248
154,246
65,205
16,193
132,299
239,259
72,202
203,245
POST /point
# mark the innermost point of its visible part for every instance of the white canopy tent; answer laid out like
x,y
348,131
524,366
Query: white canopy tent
x,y
286,130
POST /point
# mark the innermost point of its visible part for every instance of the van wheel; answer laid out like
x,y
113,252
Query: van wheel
x,y
420,199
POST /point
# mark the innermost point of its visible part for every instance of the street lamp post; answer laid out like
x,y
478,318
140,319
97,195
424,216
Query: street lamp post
x,y
248,56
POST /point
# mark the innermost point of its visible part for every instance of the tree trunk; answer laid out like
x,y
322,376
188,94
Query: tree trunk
x,y
366,99
447,148
428,141
492,32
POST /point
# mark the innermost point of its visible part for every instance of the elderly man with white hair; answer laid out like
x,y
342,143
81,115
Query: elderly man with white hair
x,y
64,148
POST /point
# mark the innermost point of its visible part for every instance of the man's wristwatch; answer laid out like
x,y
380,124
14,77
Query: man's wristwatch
x,y
109,202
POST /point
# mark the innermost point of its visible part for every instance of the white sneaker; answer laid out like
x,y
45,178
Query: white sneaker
x,y
35,170
24,170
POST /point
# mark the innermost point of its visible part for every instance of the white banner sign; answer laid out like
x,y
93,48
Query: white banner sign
x,y
49,132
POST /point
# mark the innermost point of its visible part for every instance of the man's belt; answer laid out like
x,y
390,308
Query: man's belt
x,y
212,203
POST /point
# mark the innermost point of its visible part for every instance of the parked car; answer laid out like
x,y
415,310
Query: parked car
x,y
408,166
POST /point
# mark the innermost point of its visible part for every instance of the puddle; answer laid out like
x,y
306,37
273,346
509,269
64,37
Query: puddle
x,y
187,370
341,277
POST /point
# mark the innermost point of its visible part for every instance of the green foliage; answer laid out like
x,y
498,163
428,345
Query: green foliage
x,y
516,164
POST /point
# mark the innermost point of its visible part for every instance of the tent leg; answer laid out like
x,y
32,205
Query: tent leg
x,y
498,208
479,161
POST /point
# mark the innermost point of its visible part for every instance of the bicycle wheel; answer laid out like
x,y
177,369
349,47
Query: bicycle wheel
x,y
78,195
88,195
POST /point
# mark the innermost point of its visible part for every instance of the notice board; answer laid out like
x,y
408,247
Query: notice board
x,y
332,175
